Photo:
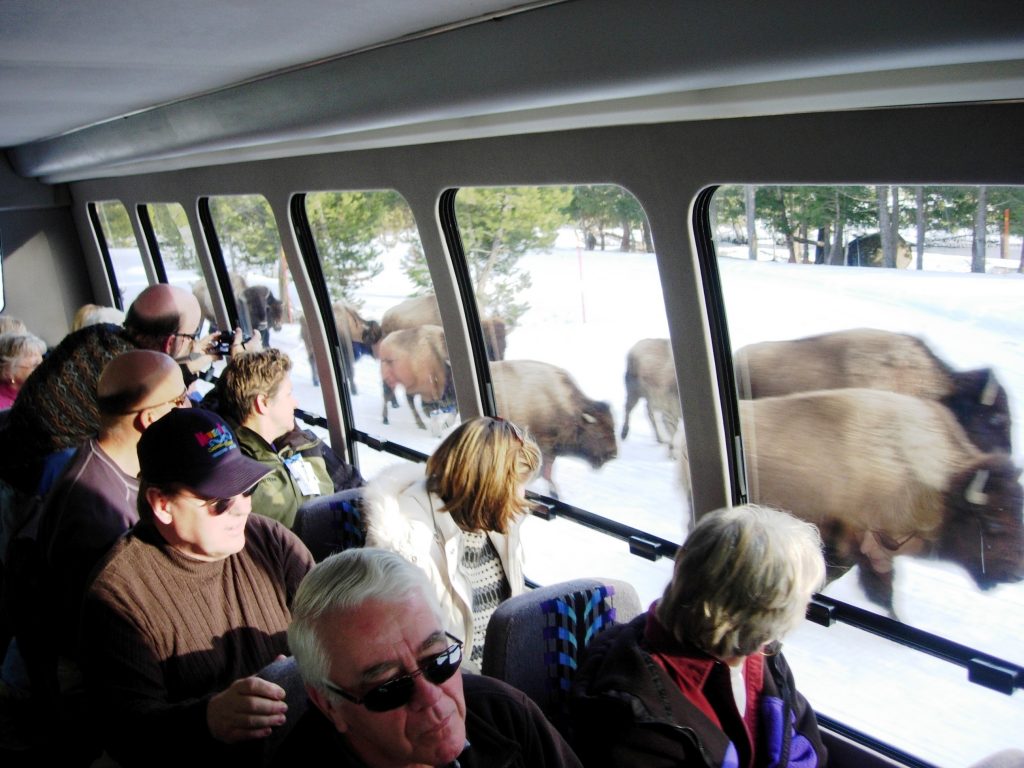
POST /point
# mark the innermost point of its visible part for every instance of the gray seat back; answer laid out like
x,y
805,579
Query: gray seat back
x,y
284,672
534,640
331,523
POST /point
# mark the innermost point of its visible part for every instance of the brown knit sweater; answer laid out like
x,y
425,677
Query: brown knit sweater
x,y
162,633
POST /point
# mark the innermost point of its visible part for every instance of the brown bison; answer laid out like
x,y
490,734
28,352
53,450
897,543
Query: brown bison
x,y
417,358
866,357
883,474
651,375
258,309
357,335
545,400
423,310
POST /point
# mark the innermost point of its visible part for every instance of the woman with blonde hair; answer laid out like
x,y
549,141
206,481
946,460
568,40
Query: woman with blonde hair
x,y
698,679
94,314
20,355
459,521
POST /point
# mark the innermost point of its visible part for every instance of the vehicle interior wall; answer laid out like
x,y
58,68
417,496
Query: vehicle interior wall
x,y
44,275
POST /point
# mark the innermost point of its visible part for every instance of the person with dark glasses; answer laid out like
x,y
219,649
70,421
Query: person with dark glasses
x,y
386,682
190,604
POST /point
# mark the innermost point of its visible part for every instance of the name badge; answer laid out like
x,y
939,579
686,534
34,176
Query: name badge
x,y
302,473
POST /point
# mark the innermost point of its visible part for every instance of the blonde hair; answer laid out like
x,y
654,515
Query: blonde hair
x,y
478,471
13,347
94,314
249,375
742,579
10,324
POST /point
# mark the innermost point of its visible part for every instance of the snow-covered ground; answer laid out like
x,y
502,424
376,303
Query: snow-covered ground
x,y
910,700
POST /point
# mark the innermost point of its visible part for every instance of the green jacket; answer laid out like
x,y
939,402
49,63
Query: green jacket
x,y
278,495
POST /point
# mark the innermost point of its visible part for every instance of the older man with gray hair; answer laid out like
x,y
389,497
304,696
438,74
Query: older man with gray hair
x,y
369,640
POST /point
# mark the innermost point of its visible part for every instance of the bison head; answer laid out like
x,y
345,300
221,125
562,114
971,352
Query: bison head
x,y
983,528
980,404
595,434
371,333
275,312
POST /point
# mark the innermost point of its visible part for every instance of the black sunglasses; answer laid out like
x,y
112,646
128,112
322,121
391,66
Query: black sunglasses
x,y
220,506
397,692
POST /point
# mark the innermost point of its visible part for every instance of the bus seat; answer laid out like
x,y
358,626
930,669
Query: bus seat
x,y
534,640
331,523
284,672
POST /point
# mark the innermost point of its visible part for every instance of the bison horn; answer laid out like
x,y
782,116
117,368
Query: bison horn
x,y
991,390
588,418
975,493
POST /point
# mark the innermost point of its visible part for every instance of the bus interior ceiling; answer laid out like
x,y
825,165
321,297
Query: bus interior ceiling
x,y
182,102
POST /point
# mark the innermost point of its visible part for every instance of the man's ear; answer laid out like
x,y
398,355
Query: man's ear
x,y
260,404
160,504
330,711
169,347
145,419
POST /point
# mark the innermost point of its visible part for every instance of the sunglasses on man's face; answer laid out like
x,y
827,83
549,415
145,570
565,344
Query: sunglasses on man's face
x,y
220,506
397,692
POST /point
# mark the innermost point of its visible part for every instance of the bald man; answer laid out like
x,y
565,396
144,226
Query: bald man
x,y
56,408
94,501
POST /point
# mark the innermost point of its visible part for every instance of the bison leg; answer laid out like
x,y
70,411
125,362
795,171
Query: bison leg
x,y
653,418
415,411
545,471
877,586
313,371
632,398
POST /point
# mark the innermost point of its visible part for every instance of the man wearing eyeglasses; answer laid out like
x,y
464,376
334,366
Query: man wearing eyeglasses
x,y
190,604
384,677
94,500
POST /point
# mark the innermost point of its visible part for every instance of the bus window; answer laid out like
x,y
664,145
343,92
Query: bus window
x,y
115,230
177,250
265,296
372,261
560,268
176,247
876,341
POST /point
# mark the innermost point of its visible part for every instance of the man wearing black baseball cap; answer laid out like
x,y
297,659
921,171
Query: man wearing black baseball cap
x,y
190,604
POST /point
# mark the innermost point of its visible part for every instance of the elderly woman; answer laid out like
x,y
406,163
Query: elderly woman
x,y
20,354
460,522
698,680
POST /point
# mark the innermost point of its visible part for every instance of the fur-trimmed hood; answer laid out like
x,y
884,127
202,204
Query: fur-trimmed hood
x,y
397,510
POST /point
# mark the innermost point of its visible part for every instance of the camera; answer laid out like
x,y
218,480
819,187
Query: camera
x,y
223,344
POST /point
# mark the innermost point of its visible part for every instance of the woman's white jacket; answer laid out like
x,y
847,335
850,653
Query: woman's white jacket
x,y
401,516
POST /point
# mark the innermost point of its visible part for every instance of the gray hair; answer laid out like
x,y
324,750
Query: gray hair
x,y
344,582
14,346
742,579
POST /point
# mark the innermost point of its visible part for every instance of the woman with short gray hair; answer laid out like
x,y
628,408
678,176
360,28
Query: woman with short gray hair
x,y
20,355
699,679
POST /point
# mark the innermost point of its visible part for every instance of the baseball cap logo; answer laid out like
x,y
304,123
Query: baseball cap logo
x,y
217,441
